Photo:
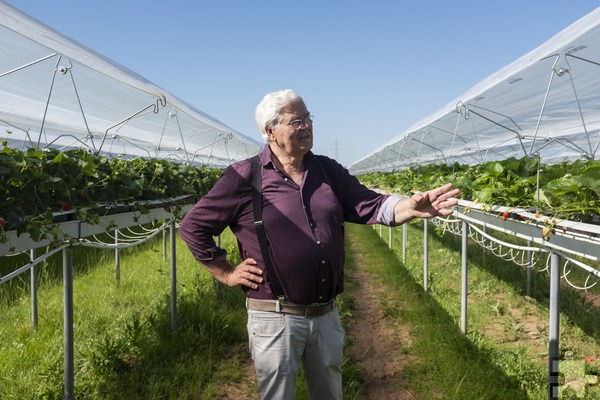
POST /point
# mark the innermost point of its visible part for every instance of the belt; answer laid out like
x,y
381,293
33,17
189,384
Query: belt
x,y
311,310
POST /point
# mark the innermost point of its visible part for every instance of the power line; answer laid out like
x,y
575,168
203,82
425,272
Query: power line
x,y
336,148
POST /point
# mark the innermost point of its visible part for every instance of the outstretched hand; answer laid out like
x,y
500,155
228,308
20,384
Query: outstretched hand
x,y
432,203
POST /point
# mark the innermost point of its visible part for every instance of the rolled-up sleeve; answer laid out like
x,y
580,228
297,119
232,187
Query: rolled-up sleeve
x,y
386,212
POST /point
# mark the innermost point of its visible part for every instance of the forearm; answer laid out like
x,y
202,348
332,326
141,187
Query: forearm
x,y
220,270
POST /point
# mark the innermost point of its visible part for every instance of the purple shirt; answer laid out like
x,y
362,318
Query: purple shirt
x,y
303,224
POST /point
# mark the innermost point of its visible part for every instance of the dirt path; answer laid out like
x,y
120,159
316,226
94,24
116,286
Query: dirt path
x,y
376,345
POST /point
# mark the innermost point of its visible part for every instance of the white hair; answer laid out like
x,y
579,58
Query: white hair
x,y
269,111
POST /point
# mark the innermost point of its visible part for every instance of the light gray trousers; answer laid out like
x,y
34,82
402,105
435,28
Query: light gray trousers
x,y
281,343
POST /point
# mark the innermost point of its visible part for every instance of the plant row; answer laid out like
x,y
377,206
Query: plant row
x,y
569,190
36,184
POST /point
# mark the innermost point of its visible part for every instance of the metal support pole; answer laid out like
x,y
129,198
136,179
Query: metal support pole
x,y
33,289
426,255
69,363
529,268
164,243
173,277
390,238
464,288
484,247
380,230
117,258
404,242
554,326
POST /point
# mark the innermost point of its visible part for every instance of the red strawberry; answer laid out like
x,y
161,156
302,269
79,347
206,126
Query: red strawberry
x,y
2,223
504,215
67,207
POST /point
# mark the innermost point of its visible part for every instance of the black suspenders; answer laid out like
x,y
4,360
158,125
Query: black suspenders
x,y
260,229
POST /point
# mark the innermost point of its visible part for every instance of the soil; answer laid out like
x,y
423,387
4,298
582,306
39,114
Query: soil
x,y
375,345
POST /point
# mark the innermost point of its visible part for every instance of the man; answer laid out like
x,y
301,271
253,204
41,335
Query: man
x,y
303,216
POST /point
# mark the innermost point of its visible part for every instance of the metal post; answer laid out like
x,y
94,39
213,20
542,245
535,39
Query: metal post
x,y
117,258
484,247
68,325
164,243
404,242
380,230
463,301
33,289
554,326
529,268
425,255
173,278
390,238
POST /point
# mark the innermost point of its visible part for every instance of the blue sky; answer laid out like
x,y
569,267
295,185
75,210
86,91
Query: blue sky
x,y
366,69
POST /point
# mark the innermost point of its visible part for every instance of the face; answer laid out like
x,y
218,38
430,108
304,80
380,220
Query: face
x,y
293,142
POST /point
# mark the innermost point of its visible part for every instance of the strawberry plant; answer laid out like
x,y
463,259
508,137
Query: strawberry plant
x,y
568,190
37,184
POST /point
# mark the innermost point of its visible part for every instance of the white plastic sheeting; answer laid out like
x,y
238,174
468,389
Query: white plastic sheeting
x,y
55,92
546,104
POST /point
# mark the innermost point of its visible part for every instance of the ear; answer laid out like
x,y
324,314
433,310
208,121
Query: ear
x,y
269,132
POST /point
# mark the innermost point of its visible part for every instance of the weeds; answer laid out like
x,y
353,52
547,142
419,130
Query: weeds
x,y
126,347
507,329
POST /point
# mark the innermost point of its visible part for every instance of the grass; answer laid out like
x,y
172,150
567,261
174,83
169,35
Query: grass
x,y
125,347
124,344
444,363
507,331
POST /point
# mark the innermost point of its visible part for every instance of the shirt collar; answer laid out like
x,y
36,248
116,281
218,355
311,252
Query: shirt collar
x,y
266,157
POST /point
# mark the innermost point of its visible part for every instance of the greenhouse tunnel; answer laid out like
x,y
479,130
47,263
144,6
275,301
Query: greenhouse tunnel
x,y
545,104
55,92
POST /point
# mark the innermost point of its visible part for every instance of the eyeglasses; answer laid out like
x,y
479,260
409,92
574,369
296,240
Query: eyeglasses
x,y
298,122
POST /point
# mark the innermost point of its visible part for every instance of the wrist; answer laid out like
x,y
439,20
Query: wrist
x,y
403,212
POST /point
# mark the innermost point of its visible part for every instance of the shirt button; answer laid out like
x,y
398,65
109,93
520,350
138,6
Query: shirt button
x,y
323,280
322,261
320,297
318,242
